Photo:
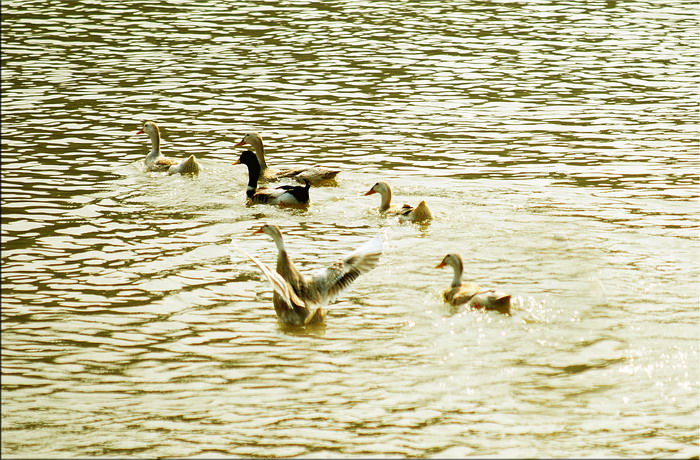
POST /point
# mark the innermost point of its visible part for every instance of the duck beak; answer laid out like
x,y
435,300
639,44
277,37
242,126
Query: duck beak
x,y
441,264
257,231
240,144
371,192
237,162
140,131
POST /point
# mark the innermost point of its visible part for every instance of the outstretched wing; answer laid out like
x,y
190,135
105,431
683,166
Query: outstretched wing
x,y
279,284
338,277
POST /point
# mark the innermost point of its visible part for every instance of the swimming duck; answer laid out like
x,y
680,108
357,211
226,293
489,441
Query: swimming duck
x,y
316,175
471,294
289,307
284,195
299,299
155,161
407,213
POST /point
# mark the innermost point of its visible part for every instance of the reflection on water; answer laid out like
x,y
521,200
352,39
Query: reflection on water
x,y
555,144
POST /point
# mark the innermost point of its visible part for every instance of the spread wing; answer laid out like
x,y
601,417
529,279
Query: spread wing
x,y
279,284
338,277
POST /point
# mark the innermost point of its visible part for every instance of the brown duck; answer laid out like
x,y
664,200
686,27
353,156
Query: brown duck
x,y
407,213
299,299
156,161
471,294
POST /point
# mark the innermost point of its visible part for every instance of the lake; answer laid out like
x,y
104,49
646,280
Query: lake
x,y
556,144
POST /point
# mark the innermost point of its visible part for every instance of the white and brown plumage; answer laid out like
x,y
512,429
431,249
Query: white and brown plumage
x,y
284,195
315,175
299,299
407,213
156,161
471,294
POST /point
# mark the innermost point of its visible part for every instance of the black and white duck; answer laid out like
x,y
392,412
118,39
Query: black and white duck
x,y
315,175
284,195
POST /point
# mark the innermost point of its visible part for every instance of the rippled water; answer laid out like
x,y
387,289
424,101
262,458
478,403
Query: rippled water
x,y
556,143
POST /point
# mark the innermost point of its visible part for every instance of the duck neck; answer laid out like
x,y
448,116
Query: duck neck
x,y
282,255
257,145
155,143
458,269
386,200
253,176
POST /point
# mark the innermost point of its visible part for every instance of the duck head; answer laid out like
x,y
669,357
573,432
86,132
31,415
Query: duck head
x,y
385,191
380,187
453,260
255,141
269,229
252,139
149,127
247,158
274,232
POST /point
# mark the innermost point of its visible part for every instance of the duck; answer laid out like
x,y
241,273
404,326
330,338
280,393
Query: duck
x,y
290,309
407,213
156,161
284,195
471,294
316,175
299,299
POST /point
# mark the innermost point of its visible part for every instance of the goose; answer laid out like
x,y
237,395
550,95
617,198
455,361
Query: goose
x,y
471,294
407,213
316,175
284,195
299,299
155,161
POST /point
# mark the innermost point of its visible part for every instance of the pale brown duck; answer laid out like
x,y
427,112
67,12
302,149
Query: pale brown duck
x,y
299,299
471,294
406,213
156,161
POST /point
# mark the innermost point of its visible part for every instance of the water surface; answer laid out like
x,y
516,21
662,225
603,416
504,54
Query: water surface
x,y
556,144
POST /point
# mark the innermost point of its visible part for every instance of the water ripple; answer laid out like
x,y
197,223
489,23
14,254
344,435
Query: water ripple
x,y
555,144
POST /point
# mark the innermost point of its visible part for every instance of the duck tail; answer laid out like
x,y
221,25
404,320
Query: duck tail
x,y
502,304
330,174
421,213
189,166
